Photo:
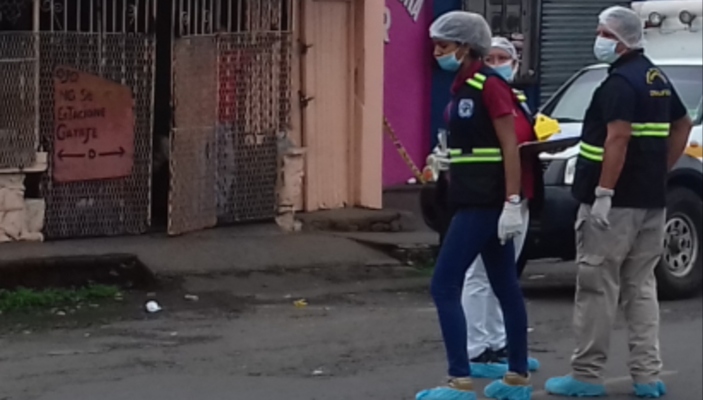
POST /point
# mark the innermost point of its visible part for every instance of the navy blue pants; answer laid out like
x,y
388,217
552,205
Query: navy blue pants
x,y
473,232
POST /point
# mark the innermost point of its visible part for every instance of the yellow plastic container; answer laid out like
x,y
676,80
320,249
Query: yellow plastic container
x,y
545,127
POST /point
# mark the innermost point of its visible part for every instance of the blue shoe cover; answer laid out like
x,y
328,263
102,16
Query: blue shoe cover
x,y
653,390
445,393
501,391
532,364
488,370
568,386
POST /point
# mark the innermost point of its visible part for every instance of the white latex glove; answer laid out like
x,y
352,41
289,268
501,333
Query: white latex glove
x,y
442,163
601,207
510,222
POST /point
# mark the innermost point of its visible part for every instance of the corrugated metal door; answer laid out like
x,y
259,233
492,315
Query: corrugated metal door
x,y
327,96
567,32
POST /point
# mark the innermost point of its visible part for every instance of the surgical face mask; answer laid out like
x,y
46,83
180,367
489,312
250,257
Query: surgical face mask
x,y
604,49
505,70
448,62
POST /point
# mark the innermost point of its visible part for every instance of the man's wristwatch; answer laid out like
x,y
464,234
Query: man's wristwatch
x,y
514,199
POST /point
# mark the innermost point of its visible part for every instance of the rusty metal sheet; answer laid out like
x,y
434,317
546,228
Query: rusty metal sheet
x,y
192,200
192,196
93,127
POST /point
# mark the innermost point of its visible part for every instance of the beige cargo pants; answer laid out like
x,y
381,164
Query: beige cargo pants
x,y
616,268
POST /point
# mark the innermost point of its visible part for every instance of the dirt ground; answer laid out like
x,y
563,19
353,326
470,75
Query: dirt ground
x,y
366,333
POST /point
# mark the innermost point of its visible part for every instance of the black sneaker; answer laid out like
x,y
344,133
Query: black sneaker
x,y
501,354
502,357
488,366
488,356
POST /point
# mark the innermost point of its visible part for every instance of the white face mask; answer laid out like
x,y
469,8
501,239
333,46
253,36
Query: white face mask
x,y
604,49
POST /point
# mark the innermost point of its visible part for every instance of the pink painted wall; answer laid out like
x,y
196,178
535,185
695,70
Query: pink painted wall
x,y
406,88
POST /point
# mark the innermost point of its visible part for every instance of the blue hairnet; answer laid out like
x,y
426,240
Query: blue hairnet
x,y
463,27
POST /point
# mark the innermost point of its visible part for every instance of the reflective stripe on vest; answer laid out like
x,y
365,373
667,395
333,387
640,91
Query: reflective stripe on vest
x,y
591,152
650,129
479,79
478,155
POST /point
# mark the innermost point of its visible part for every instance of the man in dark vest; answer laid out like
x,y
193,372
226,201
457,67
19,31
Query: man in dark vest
x,y
634,131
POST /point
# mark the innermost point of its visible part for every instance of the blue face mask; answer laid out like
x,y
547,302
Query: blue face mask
x,y
604,50
505,70
448,62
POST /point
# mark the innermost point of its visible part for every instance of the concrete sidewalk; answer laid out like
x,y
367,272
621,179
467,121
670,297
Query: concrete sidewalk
x,y
345,237
245,248
233,249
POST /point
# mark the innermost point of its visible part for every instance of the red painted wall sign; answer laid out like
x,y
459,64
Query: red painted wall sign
x,y
93,127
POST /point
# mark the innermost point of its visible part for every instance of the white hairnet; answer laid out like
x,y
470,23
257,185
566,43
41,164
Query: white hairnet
x,y
505,45
463,27
625,24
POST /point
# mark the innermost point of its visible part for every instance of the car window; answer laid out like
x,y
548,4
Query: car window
x,y
689,84
571,103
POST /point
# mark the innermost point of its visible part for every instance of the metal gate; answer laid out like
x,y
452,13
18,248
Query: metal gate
x,y
18,99
114,40
19,68
567,32
229,113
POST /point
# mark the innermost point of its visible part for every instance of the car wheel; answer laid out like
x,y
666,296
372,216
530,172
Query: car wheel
x,y
680,271
428,207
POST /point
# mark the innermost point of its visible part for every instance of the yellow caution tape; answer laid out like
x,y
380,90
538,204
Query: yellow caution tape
x,y
402,152
545,127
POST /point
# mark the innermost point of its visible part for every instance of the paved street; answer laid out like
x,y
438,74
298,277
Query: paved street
x,y
363,335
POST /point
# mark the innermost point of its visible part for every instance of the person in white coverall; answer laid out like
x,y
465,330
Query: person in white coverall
x,y
487,344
